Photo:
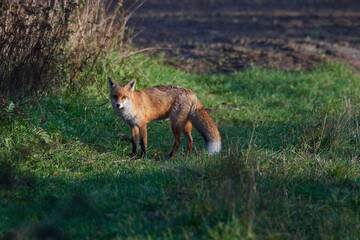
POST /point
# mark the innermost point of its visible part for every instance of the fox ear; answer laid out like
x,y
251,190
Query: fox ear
x,y
112,83
131,84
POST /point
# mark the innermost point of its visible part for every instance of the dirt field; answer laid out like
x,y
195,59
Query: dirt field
x,y
203,36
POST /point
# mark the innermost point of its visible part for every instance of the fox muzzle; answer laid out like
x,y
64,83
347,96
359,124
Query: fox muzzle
x,y
119,105
124,104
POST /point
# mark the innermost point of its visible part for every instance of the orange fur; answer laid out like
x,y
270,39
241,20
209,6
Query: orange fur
x,y
138,108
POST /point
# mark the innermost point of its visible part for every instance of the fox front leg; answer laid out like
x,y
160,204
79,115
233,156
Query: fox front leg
x,y
143,140
135,139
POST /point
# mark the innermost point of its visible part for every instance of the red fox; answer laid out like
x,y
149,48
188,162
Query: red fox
x,y
138,108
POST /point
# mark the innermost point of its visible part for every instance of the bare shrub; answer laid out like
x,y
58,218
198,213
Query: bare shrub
x,y
32,41
43,43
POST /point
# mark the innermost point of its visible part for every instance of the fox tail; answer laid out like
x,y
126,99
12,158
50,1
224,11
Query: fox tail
x,y
207,128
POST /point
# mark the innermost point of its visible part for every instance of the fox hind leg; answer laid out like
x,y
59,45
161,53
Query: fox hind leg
x,y
187,133
177,135
178,120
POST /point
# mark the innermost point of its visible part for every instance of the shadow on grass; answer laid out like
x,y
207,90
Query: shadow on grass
x,y
181,199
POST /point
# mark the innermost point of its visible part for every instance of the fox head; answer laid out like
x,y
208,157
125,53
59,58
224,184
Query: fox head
x,y
121,95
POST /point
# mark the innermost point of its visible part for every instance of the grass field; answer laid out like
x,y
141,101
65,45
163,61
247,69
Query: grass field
x,y
289,168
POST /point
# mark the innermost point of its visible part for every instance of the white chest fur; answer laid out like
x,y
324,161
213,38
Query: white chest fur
x,y
125,112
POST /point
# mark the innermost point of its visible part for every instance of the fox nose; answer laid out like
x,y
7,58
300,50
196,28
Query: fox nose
x,y
117,105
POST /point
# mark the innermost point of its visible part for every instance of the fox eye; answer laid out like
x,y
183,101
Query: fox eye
x,y
115,97
124,97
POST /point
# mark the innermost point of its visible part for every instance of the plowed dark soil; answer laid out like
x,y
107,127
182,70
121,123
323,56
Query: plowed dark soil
x,y
204,36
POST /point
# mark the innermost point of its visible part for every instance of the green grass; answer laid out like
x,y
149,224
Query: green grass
x,y
289,168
